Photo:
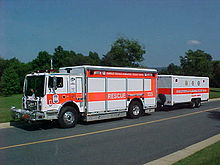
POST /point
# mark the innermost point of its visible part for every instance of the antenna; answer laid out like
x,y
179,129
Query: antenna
x,y
51,63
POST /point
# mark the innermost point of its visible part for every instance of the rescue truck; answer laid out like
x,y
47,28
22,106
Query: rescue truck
x,y
182,89
89,93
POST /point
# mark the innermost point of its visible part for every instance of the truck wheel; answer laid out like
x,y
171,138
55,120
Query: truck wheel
x,y
197,103
135,110
68,117
193,104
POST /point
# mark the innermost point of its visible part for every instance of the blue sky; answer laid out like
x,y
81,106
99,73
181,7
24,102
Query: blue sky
x,y
167,28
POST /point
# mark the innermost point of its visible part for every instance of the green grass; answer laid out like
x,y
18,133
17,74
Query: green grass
x,y
214,93
5,106
207,156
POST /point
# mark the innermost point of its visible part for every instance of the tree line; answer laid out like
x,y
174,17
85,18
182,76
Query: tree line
x,y
123,52
196,63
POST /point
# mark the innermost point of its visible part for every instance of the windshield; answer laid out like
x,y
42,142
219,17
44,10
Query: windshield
x,y
34,86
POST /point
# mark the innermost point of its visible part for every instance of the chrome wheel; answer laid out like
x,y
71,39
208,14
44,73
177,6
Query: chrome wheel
x,y
68,117
136,110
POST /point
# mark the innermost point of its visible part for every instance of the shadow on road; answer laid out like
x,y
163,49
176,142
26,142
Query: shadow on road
x,y
43,125
175,107
214,115
100,121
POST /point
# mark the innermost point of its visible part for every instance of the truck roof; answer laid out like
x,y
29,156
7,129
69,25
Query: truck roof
x,y
180,76
108,68
45,74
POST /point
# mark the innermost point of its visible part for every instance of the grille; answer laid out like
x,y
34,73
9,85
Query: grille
x,y
31,105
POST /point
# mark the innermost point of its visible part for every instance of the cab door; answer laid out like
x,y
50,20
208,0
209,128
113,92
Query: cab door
x,y
58,92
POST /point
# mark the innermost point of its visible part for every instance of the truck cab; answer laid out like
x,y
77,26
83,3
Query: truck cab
x,y
44,94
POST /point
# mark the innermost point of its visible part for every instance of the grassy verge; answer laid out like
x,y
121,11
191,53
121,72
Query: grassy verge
x,y
207,156
5,106
214,93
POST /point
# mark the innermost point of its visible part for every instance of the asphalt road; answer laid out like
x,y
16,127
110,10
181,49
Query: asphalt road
x,y
119,141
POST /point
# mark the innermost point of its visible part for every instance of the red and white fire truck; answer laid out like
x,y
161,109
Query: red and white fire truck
x,y
89,93
182,89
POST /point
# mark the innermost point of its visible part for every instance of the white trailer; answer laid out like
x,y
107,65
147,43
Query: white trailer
x,y
89,93
182,89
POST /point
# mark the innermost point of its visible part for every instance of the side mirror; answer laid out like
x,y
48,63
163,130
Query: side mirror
x,y
54,83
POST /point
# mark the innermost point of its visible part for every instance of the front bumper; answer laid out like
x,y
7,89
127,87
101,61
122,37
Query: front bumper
x,y
27,114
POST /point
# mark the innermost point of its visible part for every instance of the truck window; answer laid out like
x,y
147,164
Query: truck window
x,y
59,82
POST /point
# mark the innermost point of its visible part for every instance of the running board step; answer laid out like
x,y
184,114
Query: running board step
x,y
105,116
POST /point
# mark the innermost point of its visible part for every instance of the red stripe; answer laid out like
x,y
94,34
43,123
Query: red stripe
x,y
63,97
102,96
116,74
166,91
178,91
190,90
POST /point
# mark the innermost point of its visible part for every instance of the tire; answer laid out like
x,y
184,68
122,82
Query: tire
x,y
68,117
197,103
193,104
135,110
161,99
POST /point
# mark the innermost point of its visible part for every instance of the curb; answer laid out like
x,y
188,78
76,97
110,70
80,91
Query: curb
x,y
215,99
5,125
181,154
12,124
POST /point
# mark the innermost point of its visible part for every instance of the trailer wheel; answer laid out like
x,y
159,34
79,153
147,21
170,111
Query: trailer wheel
x,y
68,117
193,104
135,110
197,103
161,99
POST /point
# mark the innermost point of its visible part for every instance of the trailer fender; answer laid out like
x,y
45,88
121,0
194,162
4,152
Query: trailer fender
x,y
161,99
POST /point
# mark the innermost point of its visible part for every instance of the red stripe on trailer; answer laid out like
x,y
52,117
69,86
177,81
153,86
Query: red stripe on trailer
x,y
180,91
166,91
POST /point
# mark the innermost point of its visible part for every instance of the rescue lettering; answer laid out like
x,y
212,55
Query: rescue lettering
x,y
112,96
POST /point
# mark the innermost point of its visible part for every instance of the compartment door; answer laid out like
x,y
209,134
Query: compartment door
x,y
116,94
96,94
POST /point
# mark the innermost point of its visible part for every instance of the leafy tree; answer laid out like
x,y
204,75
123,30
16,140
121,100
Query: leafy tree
x,y
94,59
3,65
172,69
42,62
124,52
197,63
21,70
216,74
58,57
64,58
10,82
